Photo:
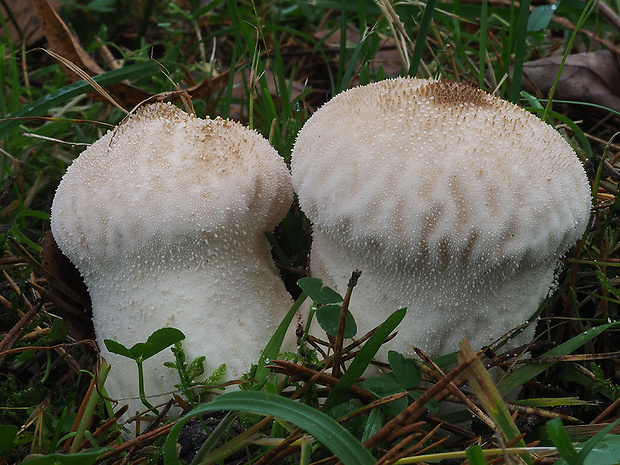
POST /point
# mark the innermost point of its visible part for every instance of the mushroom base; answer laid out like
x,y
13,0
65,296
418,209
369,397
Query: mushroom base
x,y
444,304
227,312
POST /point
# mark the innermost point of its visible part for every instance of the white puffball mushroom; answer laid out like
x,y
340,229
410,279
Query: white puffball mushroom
x,y
165,218
452,202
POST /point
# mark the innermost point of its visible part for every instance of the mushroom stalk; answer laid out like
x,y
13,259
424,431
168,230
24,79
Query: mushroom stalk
x,y
226,309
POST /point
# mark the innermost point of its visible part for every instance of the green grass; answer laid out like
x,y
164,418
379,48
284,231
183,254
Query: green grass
x,y
271,65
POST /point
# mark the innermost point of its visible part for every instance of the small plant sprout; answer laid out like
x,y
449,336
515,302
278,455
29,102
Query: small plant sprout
x,y
453,203
157,342
165,218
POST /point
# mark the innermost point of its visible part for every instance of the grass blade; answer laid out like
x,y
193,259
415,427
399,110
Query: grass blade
x,y
363,359
561,441
490,398
343,43
327,431
585,144
482,46
582,19
40,106
420,42
525,373
348,73
273,346
572,455
475,456
87,457
520,49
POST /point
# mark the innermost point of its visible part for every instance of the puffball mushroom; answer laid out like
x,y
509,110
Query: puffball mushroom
x,y
165,218
452,202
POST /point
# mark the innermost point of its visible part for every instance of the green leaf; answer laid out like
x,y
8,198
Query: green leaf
x,y
475,456
327,431
520,49
328,317
525,373
339,393
587,447
196,368
118,348
583,140
533,101
605,452
601,449
587,10
540,17
446,360
354,425
420,43
489,397
562,441
375,422
59,331
319,294
606,283
214,436
158,341
405,370
353,63
83,458
544,402
387,385
7,436
383,385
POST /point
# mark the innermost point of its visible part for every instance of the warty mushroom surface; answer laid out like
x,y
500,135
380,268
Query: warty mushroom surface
x,y
165,218
452,202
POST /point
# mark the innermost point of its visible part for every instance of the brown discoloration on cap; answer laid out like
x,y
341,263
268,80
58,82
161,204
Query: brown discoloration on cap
x,y
452,94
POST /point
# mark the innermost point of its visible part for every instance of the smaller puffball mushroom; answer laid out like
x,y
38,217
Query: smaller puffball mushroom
x,y
452,202
165,218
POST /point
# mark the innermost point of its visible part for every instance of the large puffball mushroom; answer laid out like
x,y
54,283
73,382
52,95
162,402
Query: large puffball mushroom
x,y
165,218
452,202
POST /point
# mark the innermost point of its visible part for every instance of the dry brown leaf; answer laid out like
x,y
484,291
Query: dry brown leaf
x,y
387,55
22,21
587,77
207,87
64,43
63,275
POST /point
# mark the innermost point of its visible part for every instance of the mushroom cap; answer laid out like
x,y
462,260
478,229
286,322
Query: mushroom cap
x,y
432,189
163,177
439,170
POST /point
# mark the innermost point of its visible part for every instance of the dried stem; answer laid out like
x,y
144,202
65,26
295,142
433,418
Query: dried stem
x,y
342,323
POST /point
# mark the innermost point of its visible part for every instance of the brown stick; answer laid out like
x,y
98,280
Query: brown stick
x,y
342,322
416,410
292,369
608,411
13,335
